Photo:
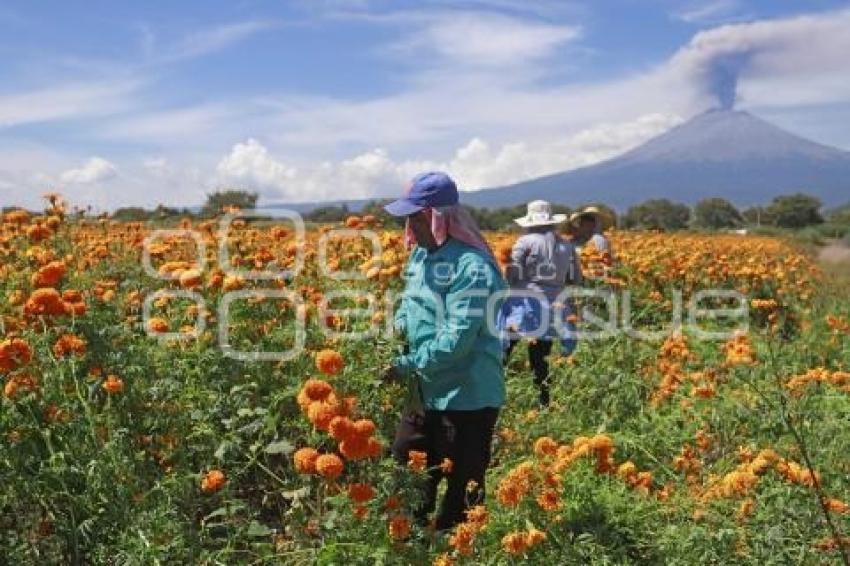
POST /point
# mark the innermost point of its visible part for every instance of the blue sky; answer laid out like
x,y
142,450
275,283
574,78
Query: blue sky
x,y
139,103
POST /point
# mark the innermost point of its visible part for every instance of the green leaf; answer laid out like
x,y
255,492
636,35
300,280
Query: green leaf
x,y
256,529
280,447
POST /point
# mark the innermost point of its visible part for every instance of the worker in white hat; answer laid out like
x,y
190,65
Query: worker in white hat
x,y
587,225
542,265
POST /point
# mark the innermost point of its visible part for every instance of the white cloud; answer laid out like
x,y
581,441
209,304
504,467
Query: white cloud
x,y
180,125
214,39
249,163
71,100
711,12
476,164
95,170
488,40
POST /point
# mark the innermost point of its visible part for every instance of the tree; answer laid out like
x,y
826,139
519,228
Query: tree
x,y
218,200
716,213
330,213
840,215
131,214
657,214
795,211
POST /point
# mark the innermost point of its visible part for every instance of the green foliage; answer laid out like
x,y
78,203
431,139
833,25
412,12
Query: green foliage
x,y
331,213
716,213
795,211
658,214
218,200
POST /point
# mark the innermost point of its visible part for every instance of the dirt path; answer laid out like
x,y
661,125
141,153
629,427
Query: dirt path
x,y
835,252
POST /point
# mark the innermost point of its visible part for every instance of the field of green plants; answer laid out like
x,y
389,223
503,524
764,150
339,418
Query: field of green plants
x,y
123,444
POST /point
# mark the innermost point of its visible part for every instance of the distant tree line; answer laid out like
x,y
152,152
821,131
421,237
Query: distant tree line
x,y
793,211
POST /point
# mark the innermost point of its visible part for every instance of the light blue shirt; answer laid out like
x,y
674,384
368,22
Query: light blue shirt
x,y
455,355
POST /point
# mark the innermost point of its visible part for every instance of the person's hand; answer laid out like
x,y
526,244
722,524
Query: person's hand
x,y
391,375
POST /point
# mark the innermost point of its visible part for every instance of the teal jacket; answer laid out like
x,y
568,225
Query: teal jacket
x,y
455,356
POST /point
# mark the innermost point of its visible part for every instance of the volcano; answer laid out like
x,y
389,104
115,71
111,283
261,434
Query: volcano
x,y
721,153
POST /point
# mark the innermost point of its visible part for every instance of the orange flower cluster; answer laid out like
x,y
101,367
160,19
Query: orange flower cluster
x,y
764,304
355,438
113,384
417,461
213,481
688,463
48,302
745,477
837,379
399,527
329,466
310,461
463,537
69,344
329,362
361,493
518,543
552,460
673,356
19,382
319,402
739,351
49,275
837,324
14,353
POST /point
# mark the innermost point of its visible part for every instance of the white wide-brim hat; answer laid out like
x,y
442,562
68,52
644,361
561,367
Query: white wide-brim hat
x,y
539,213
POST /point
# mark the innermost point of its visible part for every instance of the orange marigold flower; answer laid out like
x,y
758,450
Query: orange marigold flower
x,y
534,536
191,278
46,302
392,503
361,492
463,537
399,527
374,448
329,362
113,384
545,446
340,428
417,461
305,460
18,382
354,448
74,302
514,543
321,413
213,481
364,428
329,466
14,353
549,500
49,275
477,516
69,344
157,325
313,390
442,560
837,506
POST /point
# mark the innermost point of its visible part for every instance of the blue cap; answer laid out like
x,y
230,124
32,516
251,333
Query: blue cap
x,y
426,190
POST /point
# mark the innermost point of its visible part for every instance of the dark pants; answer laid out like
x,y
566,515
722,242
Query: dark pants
x,y
464,437
538,351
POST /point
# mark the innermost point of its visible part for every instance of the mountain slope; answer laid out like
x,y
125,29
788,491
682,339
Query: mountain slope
x,y
724,153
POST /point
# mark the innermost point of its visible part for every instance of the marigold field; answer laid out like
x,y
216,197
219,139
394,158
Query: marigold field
x,y
138,439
